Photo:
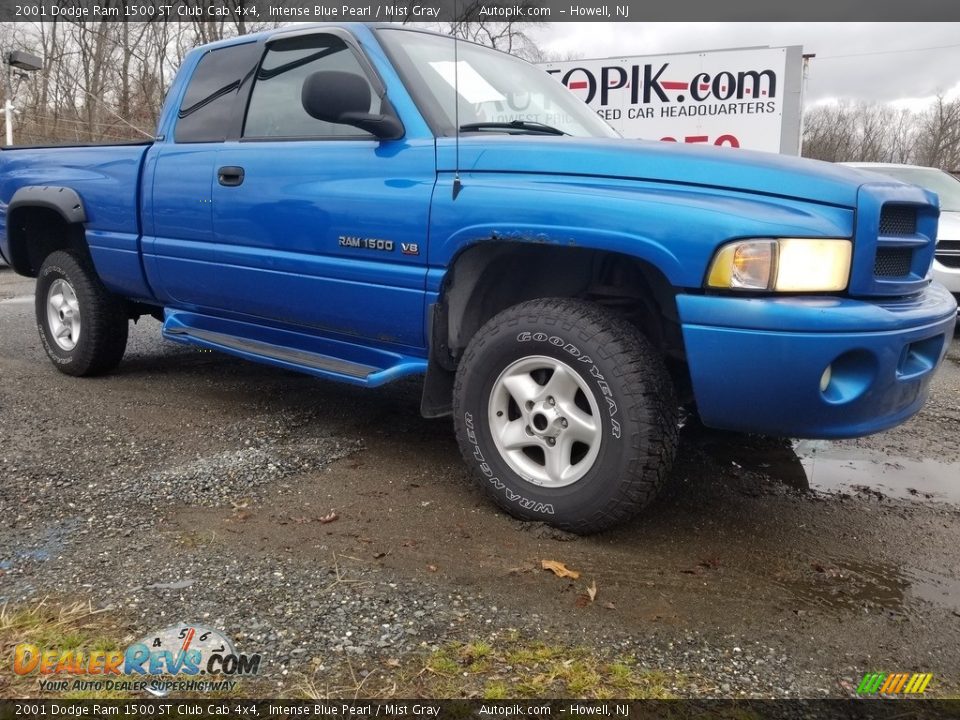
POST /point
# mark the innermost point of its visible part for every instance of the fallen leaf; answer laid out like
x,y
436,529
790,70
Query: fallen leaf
x,y
584,599
609,605
559,569
329,517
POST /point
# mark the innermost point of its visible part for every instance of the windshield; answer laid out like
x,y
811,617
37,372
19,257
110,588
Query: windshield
x,y
943,184
497,92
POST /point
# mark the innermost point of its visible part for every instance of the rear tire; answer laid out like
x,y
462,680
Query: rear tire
x,y
83,327
566,414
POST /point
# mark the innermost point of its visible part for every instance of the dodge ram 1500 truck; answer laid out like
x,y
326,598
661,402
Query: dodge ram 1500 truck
x,y
363,203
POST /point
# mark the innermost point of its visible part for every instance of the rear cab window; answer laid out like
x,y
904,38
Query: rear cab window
x,y
210,108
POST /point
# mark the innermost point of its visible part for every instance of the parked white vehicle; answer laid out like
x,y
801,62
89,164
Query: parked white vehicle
x,y
946,262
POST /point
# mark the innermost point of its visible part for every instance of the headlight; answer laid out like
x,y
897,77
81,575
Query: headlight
x,y
784,265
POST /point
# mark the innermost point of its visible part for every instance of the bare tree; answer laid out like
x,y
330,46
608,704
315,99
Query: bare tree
x,y
507,35
939,137
104,81
873,132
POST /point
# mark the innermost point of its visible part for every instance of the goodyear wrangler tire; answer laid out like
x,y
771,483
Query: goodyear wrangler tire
x,y
565,414
83,327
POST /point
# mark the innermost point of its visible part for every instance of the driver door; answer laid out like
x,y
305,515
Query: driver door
x,y
320,225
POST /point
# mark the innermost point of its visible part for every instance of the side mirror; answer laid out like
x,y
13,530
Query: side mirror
x,y
344,98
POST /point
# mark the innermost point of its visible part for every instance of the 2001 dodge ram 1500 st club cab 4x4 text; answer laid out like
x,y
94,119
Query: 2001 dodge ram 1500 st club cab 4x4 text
x,y
368,202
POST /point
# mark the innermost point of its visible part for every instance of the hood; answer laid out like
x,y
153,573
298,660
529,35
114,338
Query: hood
x,y
721,167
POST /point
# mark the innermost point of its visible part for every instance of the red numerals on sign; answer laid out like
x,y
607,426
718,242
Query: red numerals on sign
x,y
729,140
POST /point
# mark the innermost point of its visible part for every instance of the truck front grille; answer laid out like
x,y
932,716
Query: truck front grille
x,y
898,220
893,262
948,253
893,241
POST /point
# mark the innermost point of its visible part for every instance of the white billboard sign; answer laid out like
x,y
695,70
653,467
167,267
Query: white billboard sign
x,y
748,98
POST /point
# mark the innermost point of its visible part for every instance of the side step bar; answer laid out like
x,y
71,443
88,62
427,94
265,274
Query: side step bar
x,y
311,354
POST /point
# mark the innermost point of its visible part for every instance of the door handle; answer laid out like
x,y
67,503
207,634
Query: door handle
x,y
230,175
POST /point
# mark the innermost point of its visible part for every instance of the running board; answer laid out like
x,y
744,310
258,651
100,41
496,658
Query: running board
x,y
323,357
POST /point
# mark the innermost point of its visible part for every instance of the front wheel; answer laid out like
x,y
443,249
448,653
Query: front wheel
x,y
83,327
566,414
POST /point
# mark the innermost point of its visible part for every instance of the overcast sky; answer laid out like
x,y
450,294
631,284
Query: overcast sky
x,y
856,61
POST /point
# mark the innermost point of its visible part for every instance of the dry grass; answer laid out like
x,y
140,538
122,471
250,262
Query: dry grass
x,y
51,624
496,669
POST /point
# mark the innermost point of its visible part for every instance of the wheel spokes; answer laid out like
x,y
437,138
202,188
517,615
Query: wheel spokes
x,y
562,385
538,426
514,436
63,315
557,463
523,388
580,426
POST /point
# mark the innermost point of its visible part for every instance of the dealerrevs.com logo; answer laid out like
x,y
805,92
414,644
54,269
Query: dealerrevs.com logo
x,y
179,658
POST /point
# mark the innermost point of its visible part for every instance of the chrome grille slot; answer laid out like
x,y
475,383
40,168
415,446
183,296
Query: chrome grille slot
x,y
898,220
948,253
893,262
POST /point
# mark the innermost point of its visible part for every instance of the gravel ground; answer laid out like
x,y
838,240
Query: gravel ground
x,y
316,523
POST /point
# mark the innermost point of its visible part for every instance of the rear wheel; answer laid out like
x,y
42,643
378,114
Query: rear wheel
x,y
83,327
566,414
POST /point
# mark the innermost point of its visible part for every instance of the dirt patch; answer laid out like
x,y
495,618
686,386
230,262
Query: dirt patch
x,y
366,542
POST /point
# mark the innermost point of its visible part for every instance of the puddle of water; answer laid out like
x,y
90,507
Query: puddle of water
x,y
857,585
850,586
832,468
935,589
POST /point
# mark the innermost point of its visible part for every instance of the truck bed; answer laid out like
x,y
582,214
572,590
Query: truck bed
x,y
107,179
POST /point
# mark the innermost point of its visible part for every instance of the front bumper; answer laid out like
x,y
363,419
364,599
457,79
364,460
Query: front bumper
x,y
757,363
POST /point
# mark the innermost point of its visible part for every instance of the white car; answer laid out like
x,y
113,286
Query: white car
x,y
946,262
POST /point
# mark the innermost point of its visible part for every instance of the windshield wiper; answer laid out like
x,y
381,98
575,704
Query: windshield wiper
x,y
527,126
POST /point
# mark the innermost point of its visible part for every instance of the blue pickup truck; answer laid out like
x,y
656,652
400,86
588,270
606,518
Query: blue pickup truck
x,y
363,203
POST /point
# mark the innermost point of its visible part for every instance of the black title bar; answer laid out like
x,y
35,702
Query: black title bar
x,y
253,11
526,709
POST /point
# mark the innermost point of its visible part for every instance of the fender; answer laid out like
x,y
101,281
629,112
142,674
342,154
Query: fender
x,y
676,229
60,199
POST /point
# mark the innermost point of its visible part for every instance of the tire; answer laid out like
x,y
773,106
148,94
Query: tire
x,y
592,365
83,327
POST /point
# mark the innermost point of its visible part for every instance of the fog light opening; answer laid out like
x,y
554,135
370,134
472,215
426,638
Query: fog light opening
x,y
825,378
848,377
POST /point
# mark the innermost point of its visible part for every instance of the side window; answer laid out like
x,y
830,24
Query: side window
x,y
208,109
275,109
